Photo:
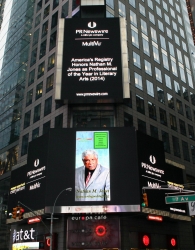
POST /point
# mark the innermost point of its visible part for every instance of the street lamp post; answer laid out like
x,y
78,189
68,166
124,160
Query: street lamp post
x,y
52,213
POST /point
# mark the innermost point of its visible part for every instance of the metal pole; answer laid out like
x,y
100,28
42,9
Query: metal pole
x,y
52,213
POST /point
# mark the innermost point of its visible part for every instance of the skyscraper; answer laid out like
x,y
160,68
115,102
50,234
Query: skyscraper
x,y
161,61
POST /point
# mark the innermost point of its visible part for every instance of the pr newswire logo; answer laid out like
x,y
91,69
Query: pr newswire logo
x,y
152,159
92,25
36,163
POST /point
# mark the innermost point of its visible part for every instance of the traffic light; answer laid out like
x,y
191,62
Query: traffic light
x,y
21,212
172,242
144,240
145,200
14,212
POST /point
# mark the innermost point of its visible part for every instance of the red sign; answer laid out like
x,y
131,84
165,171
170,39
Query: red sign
x,y
155,217
36,219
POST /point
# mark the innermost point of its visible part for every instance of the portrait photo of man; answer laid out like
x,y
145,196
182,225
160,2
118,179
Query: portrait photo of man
x,y
92,180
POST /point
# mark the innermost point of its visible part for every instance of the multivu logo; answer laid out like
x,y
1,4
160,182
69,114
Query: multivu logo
x,y
36,163
152,159
92,25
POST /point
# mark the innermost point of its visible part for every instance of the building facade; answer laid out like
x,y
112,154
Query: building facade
x,y
161,57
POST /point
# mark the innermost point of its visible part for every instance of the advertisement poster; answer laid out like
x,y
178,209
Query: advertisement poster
x,y
92,166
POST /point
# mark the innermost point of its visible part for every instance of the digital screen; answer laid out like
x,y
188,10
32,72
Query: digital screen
x,y
92,60
92,173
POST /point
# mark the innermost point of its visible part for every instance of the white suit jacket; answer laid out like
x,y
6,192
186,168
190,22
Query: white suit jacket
x,y
98,187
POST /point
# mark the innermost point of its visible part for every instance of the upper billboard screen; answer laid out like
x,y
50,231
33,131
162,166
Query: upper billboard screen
x,y
92,60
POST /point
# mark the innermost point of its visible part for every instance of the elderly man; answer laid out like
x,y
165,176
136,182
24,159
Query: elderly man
x,y
92,181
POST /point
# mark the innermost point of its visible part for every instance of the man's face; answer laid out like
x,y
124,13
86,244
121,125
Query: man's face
x,y
90,162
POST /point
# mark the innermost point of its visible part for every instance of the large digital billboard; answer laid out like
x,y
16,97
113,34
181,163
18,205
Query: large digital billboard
x,y
93,66
64,157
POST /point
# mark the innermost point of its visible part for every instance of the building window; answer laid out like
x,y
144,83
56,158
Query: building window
x,y
46,127
160,26
29,97
193,153
158,11
148,68
133,18
192,96
136,60
44,29
55,3
165,139
177,41
48,106
141,126
37,20
54,20
33,57
35,133
132,3
188,112
151,18
191,132
152,110
49,83
176,147
138,81
163,42
158,74
36,37
66,5
165,6
182,127
51,61
41,70
173,122
160,93
122,11
153,34
163,116
167,20
128,120
168,81
150,4
24,144
165,60
155,52
37,113
154,131
142,10
39,5
150,88
43,49
134,37
185,94
27,119
182,73
186,154
146,47
174,66
53,40
170,101
177,88
31,77
39,90
59,121
179,106
140,104
46,11
144,27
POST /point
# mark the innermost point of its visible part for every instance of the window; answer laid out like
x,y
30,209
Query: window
x,y
177,7
39,90
158,74
138,81
49,83
185,94
165,139
170,101
160,26
66,5
192,96
171,49
193,153
188,112
167,19
160,93
27,119
51,61
184,46
176,147
191,132
151,18
41,69
55,3
168,81
172,13
31,77
150,88
122,11
187,62
24,144
173,122
46,127
165,6
48,106
36,37
44,29
128,120
177,40
152,110
163,42
35,133
46,11
179,106
158,11
37,113
153,34
144,27
110,3
179,56
155,52
43,49
136,60
54,20
140,104
133,18
173,66
141,126
163,116
150,4
132,3
142,10
177,88
146,47
33,57
182,127
190,82
52,40
59,121
169,33
37,20
174,25
186,154
29,97
135,39
148,68
181,32
39,5
165,60
154,131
